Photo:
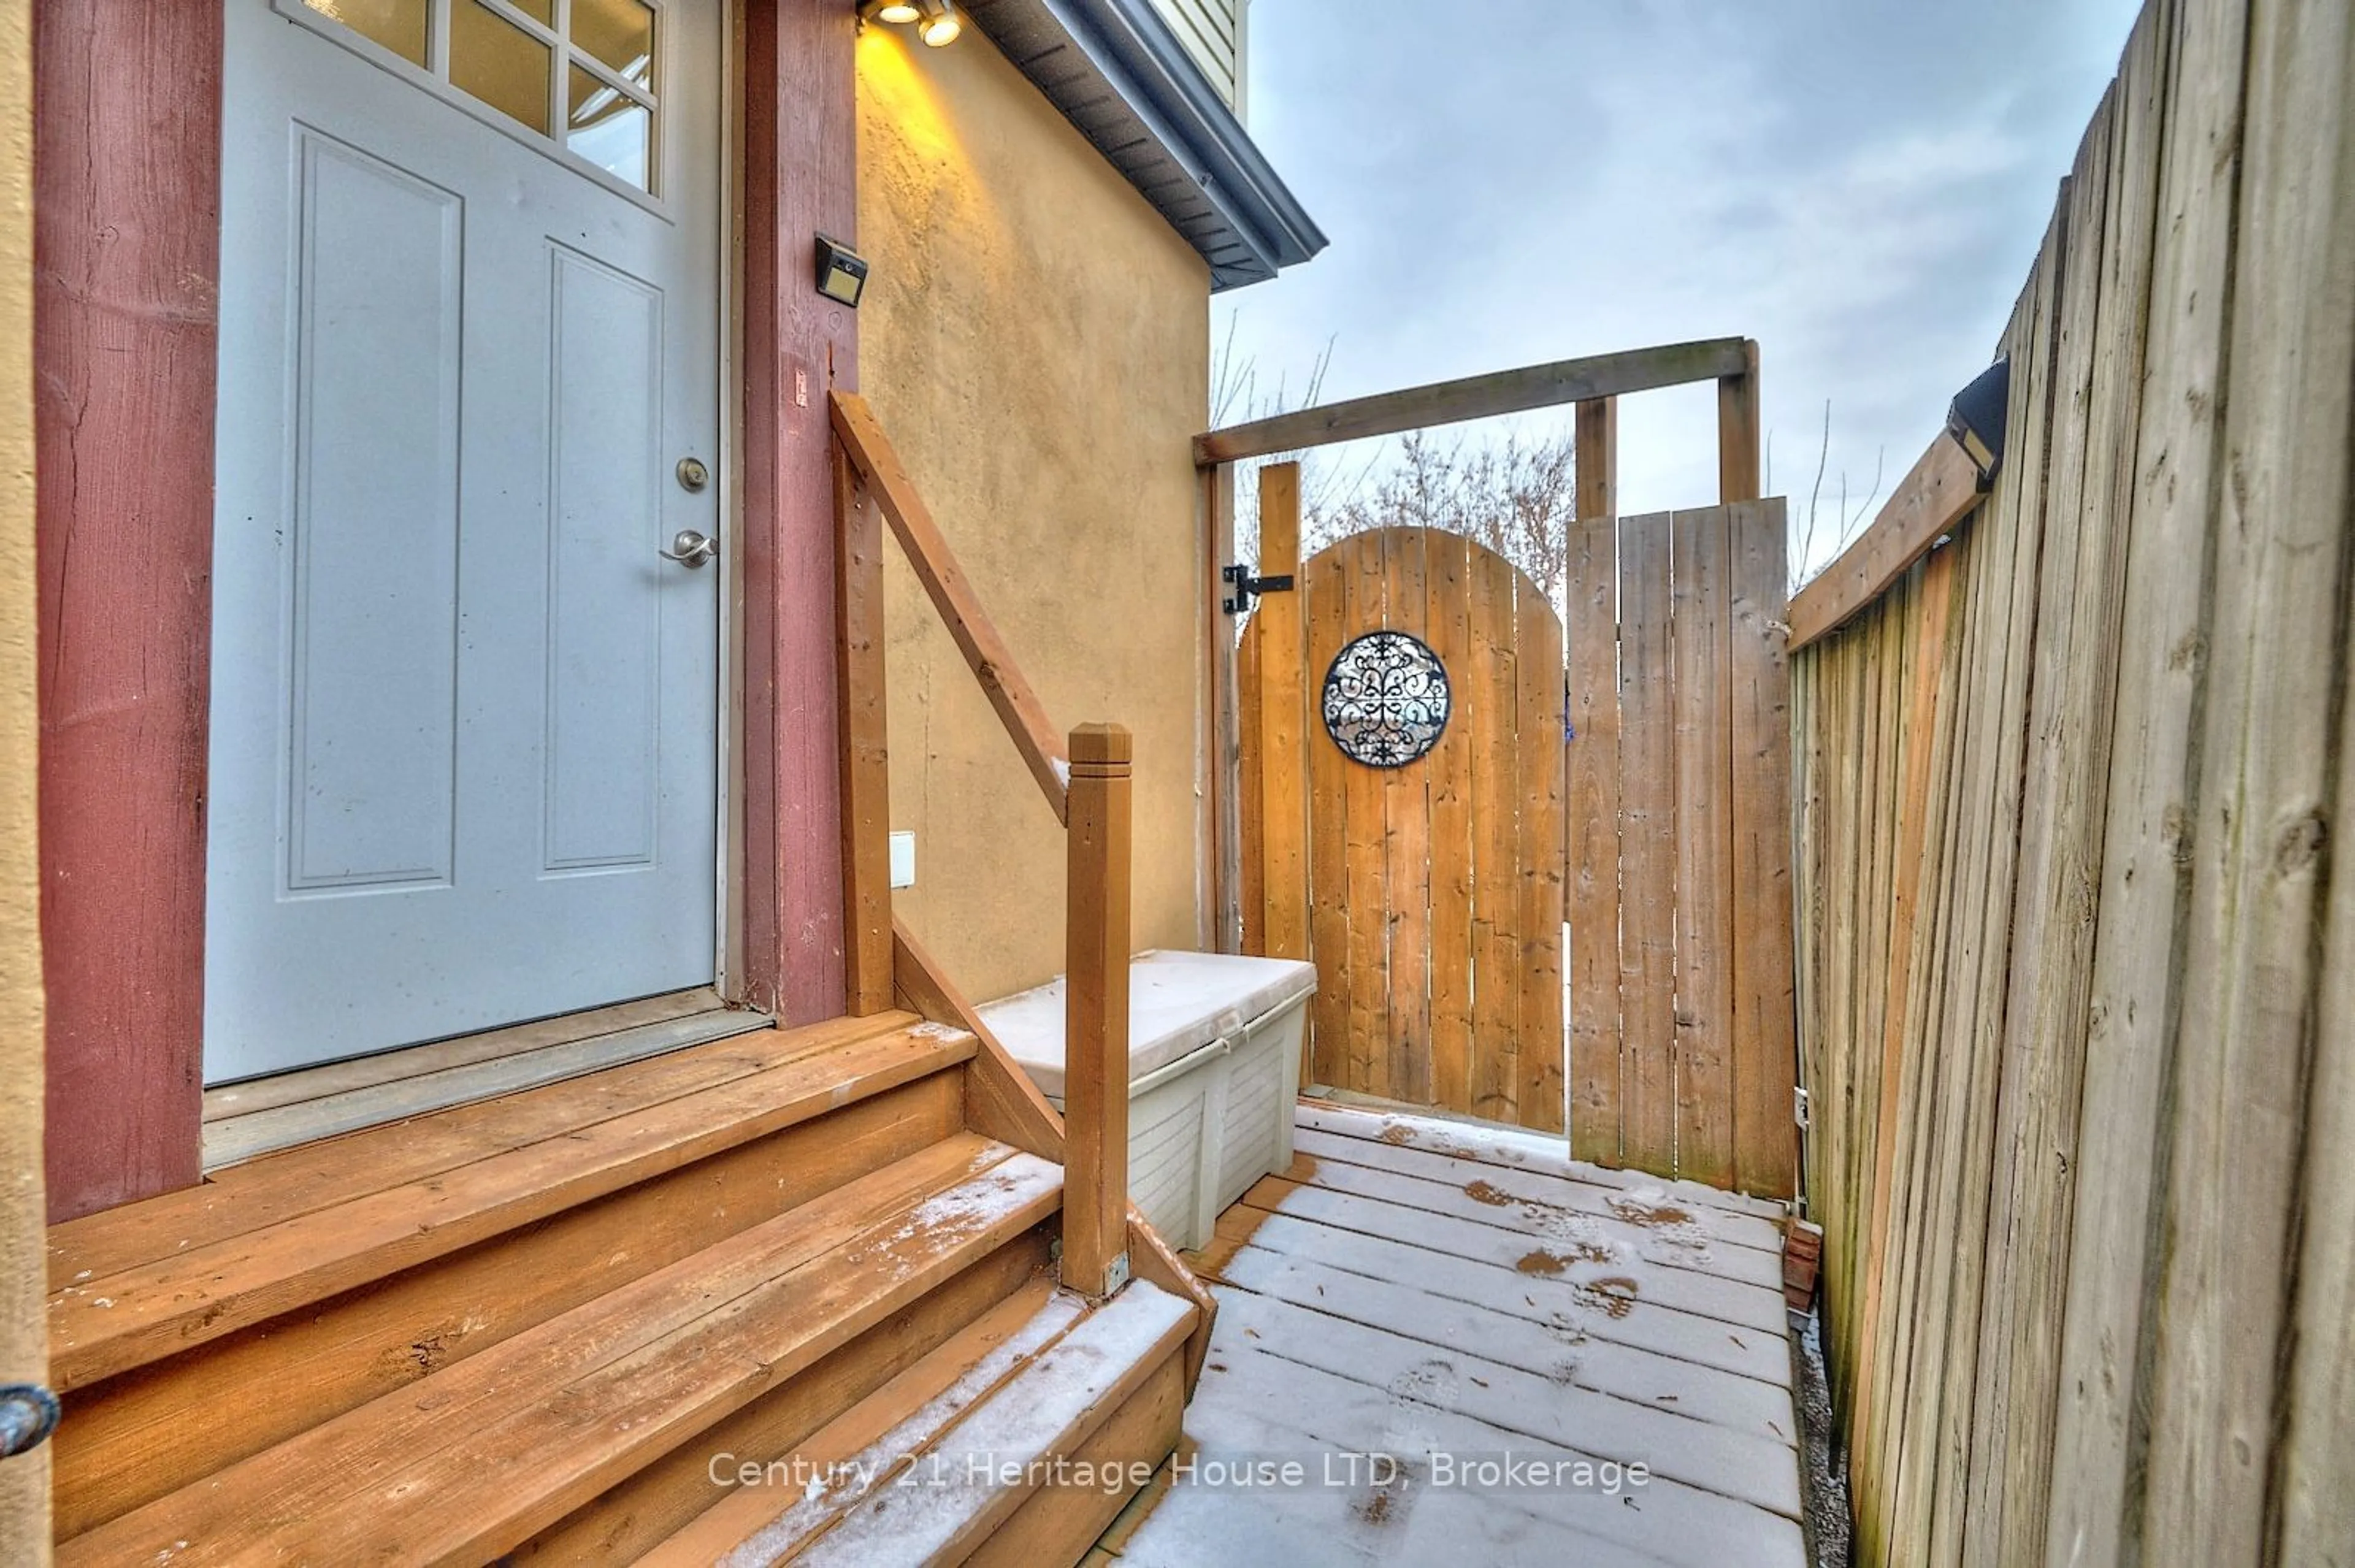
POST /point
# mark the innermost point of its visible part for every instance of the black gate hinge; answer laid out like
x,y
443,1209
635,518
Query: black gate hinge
x,y
1248,588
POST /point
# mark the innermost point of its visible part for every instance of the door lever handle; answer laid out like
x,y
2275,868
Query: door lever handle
x,y
691,549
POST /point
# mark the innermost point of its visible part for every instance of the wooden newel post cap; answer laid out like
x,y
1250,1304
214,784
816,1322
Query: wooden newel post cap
x,y
1102,749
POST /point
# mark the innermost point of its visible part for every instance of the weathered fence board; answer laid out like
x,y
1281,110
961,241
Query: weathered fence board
x,y
1364,894
1325,604
2294,315
2143,871
1765,1048
1591,775
1701,603
2072,957
1541,1044
1647,848
1447,625
1409,869
1489,711
2054,922
2277,666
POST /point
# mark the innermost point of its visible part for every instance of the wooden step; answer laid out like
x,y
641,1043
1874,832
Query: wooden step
x,y
134,1285
131,1439
629,1520
879,1437
988,1465
957,1451
473,1460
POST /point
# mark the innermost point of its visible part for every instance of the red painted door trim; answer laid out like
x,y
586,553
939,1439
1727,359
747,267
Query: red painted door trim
x,y
800,178
126,191
126,242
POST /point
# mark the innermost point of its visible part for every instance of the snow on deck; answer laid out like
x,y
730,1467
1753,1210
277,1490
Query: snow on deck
x,y
1466,1345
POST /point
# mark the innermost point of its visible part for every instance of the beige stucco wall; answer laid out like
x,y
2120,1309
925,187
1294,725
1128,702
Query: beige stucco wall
x,y
1035,340
24,1340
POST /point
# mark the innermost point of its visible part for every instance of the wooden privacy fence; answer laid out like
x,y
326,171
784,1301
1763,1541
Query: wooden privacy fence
x,y
2077,966
1431,895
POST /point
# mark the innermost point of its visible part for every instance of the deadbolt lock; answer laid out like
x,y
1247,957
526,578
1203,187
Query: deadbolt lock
x,y
692,475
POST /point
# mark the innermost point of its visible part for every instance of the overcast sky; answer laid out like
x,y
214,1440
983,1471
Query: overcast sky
x,y
1861,185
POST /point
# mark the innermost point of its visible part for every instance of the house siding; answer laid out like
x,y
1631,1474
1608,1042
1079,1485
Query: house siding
x,y
1034,341
1214,33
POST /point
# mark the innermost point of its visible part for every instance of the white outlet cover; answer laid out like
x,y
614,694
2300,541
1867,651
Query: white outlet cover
x,y
903,859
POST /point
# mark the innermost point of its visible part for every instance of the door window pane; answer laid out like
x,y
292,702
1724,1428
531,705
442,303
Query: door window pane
x,y
398,25
609,129
499,63
618,33
541,11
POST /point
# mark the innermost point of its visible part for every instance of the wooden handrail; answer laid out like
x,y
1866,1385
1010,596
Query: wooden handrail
x,y
1095,1012
952,593
1088,783
1480,397
1937,494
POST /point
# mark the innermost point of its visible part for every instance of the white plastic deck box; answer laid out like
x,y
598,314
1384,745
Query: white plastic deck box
x,y
1213,1068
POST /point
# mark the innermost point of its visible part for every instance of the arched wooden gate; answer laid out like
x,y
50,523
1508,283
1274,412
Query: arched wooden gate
x,y
1435,882
1628,777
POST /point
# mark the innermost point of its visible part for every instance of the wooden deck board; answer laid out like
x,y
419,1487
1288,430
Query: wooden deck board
x,y
1555,1350
1667,1236
1401,1163
1514,1149
1261,1405
1371,1302
1523,1404
1571,1253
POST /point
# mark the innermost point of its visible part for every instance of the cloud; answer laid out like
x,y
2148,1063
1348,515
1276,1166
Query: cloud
x,y
1859,185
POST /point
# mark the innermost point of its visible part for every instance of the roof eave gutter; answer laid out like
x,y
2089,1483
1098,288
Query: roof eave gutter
x,y
1131,49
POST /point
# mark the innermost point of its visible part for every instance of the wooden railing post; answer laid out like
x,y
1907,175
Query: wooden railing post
x,y
1096,1013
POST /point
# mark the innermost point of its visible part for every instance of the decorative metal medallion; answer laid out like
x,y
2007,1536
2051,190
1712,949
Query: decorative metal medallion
x,y
1386,699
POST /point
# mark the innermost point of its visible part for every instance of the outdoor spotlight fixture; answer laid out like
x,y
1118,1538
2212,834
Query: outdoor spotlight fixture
x,y
841,271
941,25
936,21
1975,417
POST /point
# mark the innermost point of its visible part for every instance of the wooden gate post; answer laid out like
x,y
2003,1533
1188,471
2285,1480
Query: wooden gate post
x,y
1595,468
1590,777
1095,1012
1283,805
1738,440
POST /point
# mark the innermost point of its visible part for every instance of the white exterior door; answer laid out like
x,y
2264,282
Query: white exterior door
x,y
465,714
